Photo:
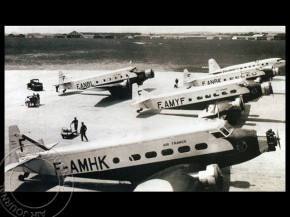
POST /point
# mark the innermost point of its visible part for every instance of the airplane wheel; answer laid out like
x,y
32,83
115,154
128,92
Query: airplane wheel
x,y
21,178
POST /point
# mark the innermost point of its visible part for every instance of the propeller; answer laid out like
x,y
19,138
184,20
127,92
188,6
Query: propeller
x,y
278,139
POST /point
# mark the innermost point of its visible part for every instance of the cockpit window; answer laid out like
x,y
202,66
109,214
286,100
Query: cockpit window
x,y
224,131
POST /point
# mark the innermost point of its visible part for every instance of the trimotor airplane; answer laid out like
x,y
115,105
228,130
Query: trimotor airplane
x,y
269,66
223,99
118,82
174,158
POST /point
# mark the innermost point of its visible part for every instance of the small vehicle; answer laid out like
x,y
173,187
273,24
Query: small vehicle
x,y
68,133
34,84
32,101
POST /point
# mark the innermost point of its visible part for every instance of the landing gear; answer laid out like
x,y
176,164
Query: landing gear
x,y
22,177
64,90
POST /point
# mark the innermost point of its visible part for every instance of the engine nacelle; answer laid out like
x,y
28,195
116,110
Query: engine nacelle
x,y
212,176
267,88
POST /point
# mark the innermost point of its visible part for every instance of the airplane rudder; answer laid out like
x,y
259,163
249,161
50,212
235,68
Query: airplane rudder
x,y
14,133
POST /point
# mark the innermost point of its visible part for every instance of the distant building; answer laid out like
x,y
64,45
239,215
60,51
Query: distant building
x,y
34,35
75,34
279,37
88,34
60,35
240,37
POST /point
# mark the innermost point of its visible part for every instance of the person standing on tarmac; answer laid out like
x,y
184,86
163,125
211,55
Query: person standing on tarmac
x,y
83,131
75,122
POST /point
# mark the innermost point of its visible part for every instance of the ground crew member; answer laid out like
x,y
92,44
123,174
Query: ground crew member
x,y
83,131
176,83
75,122
38,97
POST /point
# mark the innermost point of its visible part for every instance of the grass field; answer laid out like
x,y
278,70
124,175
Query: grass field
x,y
159,54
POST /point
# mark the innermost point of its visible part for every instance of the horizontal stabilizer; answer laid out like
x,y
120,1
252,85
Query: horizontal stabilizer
x,y
22,161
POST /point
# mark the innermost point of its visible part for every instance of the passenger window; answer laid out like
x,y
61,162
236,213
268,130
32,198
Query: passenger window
x,y
199,97
225,79
115,77
237,77
254,73
233,91
224,93
121,76
166,152
109,79
104,80
207,96
135,157
183,149
215,94
189,99
201,146
97,82
151,154
116,160
127,75
231,78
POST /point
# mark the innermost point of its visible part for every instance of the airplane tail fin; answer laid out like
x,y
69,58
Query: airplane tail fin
x,y
61,77
139,94
19,143
213,66
14,143
186,76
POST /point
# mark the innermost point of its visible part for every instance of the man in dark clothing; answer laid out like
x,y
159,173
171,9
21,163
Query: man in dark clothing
x,y
75,122
83,131
176,83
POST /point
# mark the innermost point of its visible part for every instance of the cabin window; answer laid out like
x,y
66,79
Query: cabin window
x,y
109,79
207,96
225,79
166,152
150,154
218,135
215,94
127,75
266,63
201,146
183,149
231,78
233,91
254,73
97,82
116,160
189,99
199,97
237,77
224,93
121,76
241,68
104,80
247,75
115,77
262,64
135,157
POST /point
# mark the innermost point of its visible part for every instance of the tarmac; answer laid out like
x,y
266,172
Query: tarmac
x,y
108,119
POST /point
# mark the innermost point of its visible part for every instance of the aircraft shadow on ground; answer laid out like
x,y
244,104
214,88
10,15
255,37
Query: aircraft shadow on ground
x,y
147,114
35,184
228,183
71,93
110,100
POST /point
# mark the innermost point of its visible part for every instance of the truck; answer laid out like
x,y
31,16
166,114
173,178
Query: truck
x,y
35,85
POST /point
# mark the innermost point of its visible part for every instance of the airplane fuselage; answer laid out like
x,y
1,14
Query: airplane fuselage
x,y
248,74
200,97
265,64
135,159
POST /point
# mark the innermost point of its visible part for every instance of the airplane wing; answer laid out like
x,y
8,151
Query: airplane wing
x,y
21,162
185,177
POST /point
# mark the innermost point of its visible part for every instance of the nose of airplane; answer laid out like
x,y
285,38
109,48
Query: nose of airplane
x,y
269,142
267,88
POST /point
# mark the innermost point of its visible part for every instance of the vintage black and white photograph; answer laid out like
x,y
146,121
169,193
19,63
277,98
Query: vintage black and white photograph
x,y
144,108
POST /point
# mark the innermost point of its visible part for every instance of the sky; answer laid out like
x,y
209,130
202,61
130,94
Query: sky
x,y
142,29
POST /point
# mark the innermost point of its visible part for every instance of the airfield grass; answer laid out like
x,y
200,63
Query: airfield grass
x,y
162,54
